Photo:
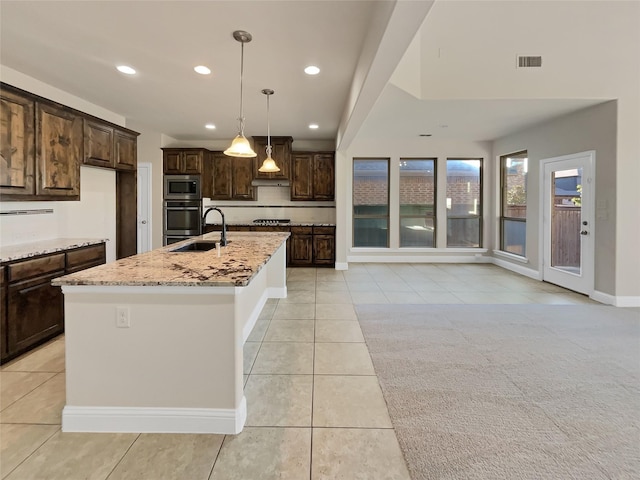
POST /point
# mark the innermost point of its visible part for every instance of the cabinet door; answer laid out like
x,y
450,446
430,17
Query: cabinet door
x,y
324,176
59,146
222,177
192,162
34,312
172,162
98,144
3,315
324,249
126,151
17,144
242,172
302,176
281,153
300,246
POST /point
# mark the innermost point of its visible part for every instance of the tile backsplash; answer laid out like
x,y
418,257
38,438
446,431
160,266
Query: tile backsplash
x,y
273,202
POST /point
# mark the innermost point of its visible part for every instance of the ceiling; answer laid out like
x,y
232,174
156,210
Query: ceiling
x,y
75,46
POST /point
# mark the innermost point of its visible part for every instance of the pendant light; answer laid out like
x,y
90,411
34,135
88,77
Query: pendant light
x,y
240,146
269,164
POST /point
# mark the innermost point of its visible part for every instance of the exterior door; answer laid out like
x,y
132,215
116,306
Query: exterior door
x,y
568,250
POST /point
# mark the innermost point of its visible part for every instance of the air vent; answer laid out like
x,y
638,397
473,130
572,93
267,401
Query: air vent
x,y
529,61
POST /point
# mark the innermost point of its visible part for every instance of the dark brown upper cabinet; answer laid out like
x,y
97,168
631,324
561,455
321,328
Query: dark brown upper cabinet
x,y
281,153
228,178
126,150
183,161
98,144
17,144
313,176
59,147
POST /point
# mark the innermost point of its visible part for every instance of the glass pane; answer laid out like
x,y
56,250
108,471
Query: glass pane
x,y
514,236
565,219
463,232
371,186
515,186
463,203
463,187
417,190
370,202
416,232
370,232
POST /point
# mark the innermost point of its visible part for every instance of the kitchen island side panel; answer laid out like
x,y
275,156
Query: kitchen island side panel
x,y
180,351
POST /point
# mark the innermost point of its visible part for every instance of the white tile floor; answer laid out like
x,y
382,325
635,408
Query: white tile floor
x,y
315,408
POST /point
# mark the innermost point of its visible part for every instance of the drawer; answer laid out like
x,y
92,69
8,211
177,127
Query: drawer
x,y
36,267
2,281
301,230
80,256
324,230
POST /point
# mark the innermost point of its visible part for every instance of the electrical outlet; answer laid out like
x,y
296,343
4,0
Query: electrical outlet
x,y
122,317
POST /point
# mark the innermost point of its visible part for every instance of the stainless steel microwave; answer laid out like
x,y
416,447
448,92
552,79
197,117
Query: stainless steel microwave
x,y
182,187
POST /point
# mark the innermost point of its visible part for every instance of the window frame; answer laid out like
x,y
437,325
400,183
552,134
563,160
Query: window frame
x,y
355,216
479,215
503,203
434,215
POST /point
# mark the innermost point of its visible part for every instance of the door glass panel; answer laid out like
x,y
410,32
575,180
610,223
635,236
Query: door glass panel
x,y
566,213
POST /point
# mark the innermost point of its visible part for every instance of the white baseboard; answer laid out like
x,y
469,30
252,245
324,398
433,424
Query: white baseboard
x,y
342,266
616,301
154,420
517,268
416,259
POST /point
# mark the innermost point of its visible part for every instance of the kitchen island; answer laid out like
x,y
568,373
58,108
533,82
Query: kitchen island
x,y
154,342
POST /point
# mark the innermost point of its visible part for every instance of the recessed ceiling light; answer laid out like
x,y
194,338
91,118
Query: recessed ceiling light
x,y
313,126
312,70
210,126
202,70
126,69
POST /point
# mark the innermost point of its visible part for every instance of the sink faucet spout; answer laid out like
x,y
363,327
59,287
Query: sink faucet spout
x,y
223,234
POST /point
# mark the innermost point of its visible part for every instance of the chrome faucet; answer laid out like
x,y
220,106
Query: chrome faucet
x,y
223,235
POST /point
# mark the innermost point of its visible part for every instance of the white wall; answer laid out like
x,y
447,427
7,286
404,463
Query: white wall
x,y
91,217
589,129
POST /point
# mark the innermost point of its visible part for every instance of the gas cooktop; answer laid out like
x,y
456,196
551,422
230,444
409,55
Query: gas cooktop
x,y
271,221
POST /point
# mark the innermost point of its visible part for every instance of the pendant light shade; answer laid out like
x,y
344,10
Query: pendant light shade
x,y
240,146
269,164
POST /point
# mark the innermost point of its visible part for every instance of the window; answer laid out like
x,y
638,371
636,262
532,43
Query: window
x,y
464,207
417,202
371,202
513,211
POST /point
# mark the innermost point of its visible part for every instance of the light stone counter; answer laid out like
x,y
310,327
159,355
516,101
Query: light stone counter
x,y
240,260
31,249
154,342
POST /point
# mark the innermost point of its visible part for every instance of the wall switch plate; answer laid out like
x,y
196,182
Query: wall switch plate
x,y
122,317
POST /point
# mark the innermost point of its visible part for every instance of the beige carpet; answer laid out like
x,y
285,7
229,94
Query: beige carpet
x,y
510,391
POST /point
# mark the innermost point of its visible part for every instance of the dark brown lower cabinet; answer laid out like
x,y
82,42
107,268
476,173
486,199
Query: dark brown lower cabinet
x,y
308,246
35,313
324,246
3,314
33,309
301,246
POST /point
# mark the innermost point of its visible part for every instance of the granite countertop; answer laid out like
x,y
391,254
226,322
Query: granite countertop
x,y
242,258
278,224
26,250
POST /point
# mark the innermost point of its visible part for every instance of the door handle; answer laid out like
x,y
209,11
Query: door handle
x,y
144,222
584,232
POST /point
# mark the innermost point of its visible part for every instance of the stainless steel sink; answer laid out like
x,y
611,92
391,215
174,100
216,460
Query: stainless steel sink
x,y
200,246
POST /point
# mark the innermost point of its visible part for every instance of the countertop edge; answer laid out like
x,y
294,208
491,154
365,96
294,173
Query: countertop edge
x,y
13,253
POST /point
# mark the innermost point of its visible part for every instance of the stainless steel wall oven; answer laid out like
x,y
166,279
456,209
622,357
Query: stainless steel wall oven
x,y
182,219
